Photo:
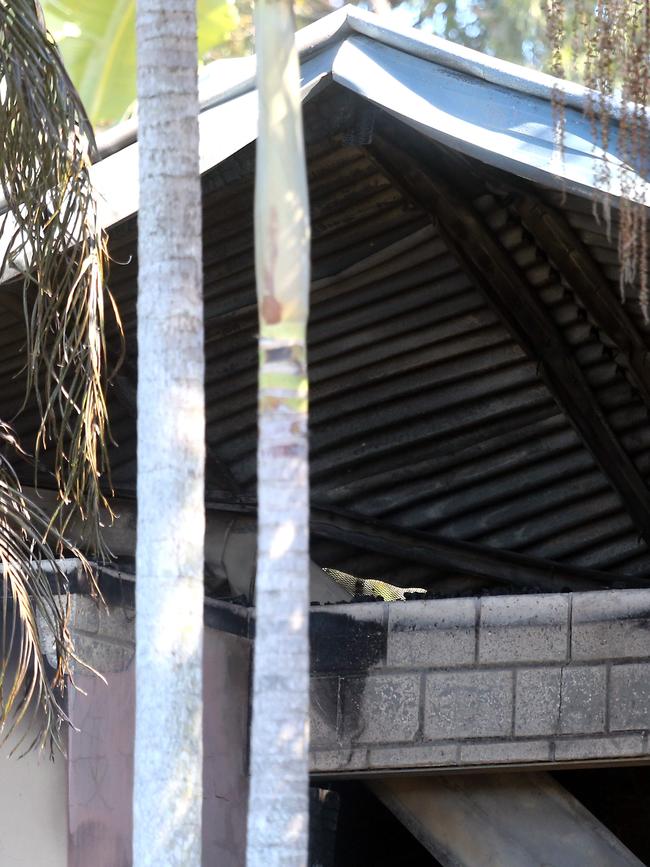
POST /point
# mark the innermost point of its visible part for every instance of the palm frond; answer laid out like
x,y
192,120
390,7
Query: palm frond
x,y
58,246
35,599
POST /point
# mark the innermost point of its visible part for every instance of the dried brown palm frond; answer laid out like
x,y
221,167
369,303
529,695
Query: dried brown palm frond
x,y
34,609
55,241
611,44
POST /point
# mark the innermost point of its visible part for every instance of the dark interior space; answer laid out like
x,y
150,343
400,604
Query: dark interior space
x,y
350,827
367,833
620,798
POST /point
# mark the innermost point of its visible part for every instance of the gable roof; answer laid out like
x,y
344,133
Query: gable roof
x,y
475,378
501,113
498,112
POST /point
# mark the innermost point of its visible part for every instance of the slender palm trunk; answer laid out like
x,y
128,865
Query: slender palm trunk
x,y
278,806
171,444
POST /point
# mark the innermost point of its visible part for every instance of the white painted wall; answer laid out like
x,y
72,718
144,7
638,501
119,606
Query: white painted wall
x,y
33,809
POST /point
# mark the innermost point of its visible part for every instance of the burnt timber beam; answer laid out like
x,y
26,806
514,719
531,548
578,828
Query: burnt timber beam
x,y
415,546
506,289
451,555
513,820
574,264
370,534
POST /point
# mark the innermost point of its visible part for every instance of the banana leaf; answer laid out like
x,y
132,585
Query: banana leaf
x,y
97,40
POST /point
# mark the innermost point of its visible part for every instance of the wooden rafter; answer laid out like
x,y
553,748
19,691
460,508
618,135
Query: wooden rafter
x,y
449,555
400,543
446,554
573,262
508,291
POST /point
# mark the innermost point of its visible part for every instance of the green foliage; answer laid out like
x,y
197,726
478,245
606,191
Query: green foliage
x,y
97,37
97,40
510,29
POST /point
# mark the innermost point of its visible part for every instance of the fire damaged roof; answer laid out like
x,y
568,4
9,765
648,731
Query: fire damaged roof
x,y
479,391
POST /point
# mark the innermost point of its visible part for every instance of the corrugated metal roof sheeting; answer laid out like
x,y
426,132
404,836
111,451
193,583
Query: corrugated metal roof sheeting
x,y
620,404
424,411
600,236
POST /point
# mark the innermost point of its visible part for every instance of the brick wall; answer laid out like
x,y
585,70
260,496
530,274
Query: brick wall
x,y
521,680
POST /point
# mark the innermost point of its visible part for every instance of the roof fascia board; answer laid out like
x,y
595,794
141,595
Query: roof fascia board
x,y
315,39
531,156
507,129
351,46
337,26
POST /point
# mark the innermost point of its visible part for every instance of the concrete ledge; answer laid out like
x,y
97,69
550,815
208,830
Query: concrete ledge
x,y
544,680
472,755
104,634
513,630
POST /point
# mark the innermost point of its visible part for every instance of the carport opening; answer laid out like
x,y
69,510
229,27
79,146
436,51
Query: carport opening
x,y
350,827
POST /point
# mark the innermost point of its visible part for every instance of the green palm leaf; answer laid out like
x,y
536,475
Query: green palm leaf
x,y
58,246
97,39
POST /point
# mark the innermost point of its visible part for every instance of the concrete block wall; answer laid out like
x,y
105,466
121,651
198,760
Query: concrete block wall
x,y
530,680
512,680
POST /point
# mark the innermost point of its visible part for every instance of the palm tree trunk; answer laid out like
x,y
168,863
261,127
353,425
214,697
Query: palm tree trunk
x,y
278,804
171,444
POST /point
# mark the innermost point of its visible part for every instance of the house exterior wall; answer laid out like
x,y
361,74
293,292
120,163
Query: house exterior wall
x,y
100,768
531,680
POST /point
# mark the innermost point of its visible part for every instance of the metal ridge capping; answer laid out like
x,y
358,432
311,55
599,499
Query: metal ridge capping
x,y
338,25
350,47
322,45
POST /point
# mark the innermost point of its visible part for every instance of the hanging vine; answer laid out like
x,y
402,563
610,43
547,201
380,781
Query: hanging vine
x,y
610,48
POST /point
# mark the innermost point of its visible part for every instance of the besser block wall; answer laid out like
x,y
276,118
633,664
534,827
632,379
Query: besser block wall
x,y
435,684
519,680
